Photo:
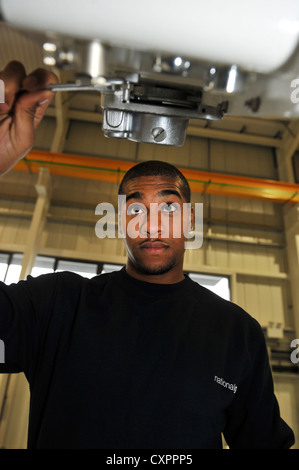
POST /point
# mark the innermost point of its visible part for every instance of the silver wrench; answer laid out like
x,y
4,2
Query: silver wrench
x,y
100,84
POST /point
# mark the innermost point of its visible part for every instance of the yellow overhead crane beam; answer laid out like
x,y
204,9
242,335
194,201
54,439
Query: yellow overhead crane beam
x,y
108,169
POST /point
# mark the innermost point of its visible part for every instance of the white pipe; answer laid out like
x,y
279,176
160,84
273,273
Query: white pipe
x,y
258,35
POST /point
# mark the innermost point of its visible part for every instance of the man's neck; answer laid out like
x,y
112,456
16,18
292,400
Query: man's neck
x,y
173,276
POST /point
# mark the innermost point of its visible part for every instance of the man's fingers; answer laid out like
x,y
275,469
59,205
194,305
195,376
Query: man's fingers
x,y
39,79
13,72
31,107
15,79
26,100
34,93
12,75
36,100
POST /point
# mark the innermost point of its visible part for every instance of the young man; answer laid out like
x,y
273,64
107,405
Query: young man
x,y
143,358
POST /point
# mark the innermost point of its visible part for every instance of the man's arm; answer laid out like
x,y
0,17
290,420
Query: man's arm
x,y
253,419
26,101
24,310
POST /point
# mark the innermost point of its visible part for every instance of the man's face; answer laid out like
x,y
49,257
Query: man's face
x,y
155,223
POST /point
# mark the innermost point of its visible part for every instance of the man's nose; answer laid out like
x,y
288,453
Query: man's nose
x,y
155,223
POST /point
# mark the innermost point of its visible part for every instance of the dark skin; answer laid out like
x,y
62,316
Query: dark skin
x,y
26,101
152,256
155,256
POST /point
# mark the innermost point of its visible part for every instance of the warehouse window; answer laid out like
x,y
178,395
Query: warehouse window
x,y
11,265
217,284
4,260
108,268
84,269
43,265
14,268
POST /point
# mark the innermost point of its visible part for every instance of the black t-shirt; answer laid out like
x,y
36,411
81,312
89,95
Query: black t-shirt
x,y
118,363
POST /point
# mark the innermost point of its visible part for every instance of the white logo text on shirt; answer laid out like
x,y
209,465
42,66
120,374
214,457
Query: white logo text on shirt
x,y
220,381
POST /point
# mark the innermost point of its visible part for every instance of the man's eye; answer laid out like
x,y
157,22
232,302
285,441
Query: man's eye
x,y
170,207
135,209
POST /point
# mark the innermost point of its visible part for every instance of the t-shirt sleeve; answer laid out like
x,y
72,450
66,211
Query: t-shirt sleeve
x,y
23,309
253,419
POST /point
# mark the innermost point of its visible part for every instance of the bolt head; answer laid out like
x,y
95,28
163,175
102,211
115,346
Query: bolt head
x,y
159,134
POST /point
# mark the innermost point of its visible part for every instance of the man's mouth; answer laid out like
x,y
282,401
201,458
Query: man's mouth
x,y
154,247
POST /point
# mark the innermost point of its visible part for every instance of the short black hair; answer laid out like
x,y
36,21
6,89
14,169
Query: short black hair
x,y
156,168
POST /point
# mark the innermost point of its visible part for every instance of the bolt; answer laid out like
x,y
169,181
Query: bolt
x,y
254,104
159,134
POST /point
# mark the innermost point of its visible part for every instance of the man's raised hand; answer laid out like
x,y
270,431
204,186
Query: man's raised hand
x,y
26,100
